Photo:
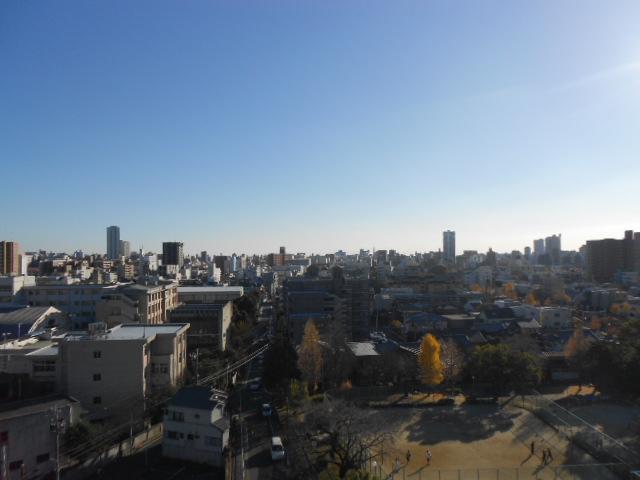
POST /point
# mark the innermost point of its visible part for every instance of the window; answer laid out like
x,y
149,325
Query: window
x,y
190,437
197,415
97,354
97,400
97,377
15,465
212,442
44,457
172,435
4,437
176,416
44,366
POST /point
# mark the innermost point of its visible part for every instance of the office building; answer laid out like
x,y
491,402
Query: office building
x,y
172,253
124,249
9,258
113,242
449,246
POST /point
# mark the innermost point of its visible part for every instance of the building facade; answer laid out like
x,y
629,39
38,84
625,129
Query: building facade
x,y
115,370
449,246
172,253
9,258
113,242
196,427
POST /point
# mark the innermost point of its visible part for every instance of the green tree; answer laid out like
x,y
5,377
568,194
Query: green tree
x,y
280,364
501,369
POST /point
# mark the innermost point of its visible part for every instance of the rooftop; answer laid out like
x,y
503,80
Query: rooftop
x,y
199,398
212,289
27,407
132,332
26,315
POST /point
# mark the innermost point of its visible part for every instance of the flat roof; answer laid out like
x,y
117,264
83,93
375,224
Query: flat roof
x,y
212,289
35,405
132,331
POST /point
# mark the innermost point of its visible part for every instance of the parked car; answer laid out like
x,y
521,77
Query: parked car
x,y
266,410
277,449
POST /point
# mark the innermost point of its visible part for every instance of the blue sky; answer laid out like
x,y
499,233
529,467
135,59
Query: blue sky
x,y
240,126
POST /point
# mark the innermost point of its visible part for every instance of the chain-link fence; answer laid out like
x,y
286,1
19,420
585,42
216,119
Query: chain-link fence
x,y
543,472
576,429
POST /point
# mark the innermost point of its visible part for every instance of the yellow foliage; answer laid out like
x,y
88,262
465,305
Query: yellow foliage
x,y
509,291
429,361
310,355
531,299
476,288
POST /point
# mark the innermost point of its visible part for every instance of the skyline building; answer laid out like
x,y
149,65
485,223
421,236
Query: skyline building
x,y
172,253
553,247
113,242
449,246
9,258
124,249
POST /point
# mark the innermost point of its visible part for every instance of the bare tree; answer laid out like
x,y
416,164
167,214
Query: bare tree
x,y
352,437
452,360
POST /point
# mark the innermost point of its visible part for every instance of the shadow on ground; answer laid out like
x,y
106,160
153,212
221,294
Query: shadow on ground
x,y
462,423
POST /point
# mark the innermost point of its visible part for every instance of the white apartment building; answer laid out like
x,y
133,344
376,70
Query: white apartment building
x,y
196,427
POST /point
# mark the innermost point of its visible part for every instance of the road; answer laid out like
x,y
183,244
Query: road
x,y
253,430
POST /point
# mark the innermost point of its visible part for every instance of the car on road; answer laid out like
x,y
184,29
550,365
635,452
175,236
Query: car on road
x,y
255,386
277,449
266,410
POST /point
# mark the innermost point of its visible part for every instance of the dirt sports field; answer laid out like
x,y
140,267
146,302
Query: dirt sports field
x,y
482,441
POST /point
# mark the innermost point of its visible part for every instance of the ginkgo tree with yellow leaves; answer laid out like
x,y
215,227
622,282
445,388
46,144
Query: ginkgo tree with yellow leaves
x,y
310,356
430,361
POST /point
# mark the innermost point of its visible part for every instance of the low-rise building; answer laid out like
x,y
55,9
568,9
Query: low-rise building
x,y
114,370
209,294
76,300
11,288
209,323
28,320
28,436
196,427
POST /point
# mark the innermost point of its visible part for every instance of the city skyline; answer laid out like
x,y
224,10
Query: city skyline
x,y
383,124
193,251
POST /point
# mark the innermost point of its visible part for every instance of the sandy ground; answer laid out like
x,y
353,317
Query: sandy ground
x,y
484,441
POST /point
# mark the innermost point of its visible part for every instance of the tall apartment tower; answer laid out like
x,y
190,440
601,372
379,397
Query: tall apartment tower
x,y
449,246
553,247
9,258
538,247
172,253
113,242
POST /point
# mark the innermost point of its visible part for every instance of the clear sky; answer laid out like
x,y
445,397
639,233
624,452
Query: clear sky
x,y
239,126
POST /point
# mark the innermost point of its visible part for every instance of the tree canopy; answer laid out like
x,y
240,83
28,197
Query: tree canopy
x,y
429,361
310,356
501,368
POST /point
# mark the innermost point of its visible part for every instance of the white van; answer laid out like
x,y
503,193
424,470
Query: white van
x,y
277,449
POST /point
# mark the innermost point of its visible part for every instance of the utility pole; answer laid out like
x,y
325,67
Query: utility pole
x,y
57,425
